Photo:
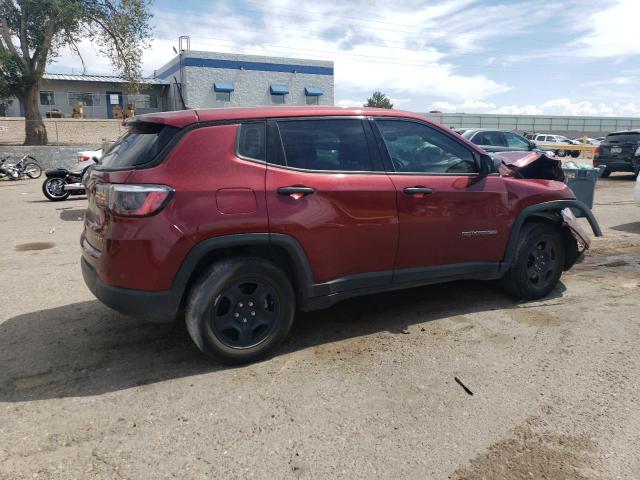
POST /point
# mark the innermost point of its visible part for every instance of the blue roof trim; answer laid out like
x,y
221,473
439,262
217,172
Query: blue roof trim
x,y
313,92
258,66
278,90
169,71
223,87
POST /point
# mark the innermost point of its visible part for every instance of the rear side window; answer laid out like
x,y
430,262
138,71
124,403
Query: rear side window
x,y
489,138
251,140
338,145
140,145
626,137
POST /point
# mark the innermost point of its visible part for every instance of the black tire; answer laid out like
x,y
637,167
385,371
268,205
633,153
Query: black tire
x,y
36,170
538,262
561,153
605,174
575,153
51,188
224,294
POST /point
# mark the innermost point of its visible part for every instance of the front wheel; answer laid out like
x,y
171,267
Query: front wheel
x,y
32,170
240,309
53,189
561,153
575,153
538,262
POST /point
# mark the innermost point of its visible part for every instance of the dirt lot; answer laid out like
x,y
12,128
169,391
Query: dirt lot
x,y
363,390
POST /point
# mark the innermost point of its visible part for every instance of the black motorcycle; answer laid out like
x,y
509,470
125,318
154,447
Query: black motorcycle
x,y
61,183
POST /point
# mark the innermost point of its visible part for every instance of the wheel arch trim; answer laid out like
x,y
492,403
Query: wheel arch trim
x,y
536,211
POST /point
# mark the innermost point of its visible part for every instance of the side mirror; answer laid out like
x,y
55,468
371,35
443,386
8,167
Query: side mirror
x,y
486,165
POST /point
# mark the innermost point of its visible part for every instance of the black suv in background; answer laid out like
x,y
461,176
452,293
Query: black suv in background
x,y
498,140
619,152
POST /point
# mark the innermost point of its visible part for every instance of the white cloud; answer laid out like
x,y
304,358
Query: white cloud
x,y
566,106
612,31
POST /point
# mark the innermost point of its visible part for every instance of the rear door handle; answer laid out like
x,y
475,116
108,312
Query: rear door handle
x,y
296,192
418,190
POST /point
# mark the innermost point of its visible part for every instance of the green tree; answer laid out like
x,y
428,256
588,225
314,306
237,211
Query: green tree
x,y
378,100
32,32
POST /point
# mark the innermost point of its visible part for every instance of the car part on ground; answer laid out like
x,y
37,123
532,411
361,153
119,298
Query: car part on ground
x,y
237,214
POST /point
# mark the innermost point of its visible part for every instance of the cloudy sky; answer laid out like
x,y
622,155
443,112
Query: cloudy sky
x,y
567,57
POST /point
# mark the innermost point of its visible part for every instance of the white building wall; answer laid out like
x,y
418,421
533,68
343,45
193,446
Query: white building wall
x,y
251,85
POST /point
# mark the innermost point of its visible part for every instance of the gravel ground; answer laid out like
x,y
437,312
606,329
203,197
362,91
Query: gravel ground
x,y
365,389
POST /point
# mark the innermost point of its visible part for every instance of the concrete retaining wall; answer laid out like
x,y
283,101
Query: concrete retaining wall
x,y
48,156
64,131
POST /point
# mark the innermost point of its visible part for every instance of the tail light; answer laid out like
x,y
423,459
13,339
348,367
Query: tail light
x,y
129,200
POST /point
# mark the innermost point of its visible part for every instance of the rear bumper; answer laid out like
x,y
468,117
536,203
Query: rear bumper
x,y
615,164
151,306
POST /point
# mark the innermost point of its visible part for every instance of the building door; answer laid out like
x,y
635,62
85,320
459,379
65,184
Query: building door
x,y
113,99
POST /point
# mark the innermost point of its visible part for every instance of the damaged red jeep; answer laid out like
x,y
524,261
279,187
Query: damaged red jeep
x,y
236,218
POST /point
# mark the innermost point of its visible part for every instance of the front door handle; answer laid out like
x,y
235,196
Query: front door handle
x,y
296,192
418,191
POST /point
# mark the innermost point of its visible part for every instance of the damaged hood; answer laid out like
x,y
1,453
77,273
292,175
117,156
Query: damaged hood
x,y
528,165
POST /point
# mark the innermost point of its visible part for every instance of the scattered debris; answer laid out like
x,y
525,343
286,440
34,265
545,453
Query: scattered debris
x,y
464,387
52,230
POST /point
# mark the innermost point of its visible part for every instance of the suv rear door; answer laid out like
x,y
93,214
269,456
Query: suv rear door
x,y
327,189
448,214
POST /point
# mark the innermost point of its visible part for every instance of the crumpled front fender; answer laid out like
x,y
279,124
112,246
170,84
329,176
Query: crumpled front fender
x,y
570,221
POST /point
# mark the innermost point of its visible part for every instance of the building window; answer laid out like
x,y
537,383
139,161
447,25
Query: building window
x,y
277,94
87,99
223,96
223,91
47,98
143,100
313,95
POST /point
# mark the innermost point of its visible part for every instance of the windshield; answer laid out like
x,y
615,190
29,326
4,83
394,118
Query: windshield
x,y
140,145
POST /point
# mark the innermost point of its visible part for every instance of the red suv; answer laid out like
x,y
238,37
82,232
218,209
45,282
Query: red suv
x,y
238,217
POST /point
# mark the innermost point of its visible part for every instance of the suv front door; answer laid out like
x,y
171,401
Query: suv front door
x,y
327,189
449,215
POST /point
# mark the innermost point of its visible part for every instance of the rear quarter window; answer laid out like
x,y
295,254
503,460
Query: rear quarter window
x,y
140,145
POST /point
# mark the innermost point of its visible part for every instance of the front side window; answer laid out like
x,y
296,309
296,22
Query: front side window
x,y
251,140
516,141
47,98
418,148
338,145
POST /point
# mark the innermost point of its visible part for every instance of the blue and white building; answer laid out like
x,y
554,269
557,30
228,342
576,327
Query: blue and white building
x,y
207,79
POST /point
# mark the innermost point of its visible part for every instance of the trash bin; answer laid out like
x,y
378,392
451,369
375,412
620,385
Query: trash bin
x,y
582,181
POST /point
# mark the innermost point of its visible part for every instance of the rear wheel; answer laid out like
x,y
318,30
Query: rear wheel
x,y
561,153
53,189
240,309
575,153
538,263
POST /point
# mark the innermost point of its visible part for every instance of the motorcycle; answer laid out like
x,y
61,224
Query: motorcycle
x,y
61,183
27,165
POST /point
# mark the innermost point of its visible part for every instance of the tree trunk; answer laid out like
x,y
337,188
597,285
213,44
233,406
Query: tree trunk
x,y
35,131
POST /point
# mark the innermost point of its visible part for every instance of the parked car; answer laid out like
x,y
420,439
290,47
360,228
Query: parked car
x,y
498,140
240,217
587,141
619,152
549,138
87,155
